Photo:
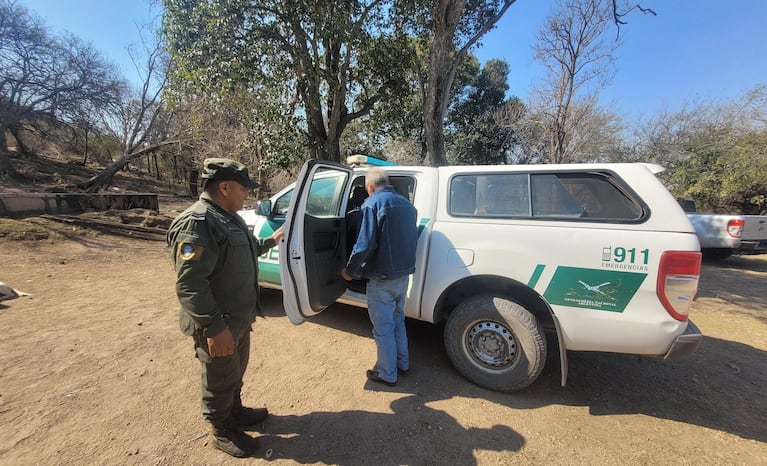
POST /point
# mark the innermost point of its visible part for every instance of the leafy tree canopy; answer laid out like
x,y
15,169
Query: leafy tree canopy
x,y
317,65
476,131
715,153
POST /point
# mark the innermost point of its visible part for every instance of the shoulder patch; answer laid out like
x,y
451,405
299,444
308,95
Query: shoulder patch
x,y
189,252
199,210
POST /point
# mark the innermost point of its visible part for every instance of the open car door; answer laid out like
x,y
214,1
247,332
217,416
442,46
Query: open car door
x,y
315,236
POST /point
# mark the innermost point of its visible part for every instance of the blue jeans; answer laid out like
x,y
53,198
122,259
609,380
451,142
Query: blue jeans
x,y
386,308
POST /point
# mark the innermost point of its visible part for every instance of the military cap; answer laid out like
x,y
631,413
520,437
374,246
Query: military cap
x,y
227,170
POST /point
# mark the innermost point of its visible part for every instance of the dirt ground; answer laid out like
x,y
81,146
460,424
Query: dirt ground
x,y
95,371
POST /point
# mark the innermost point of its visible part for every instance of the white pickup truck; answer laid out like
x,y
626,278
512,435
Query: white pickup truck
x,y
721,236
600,256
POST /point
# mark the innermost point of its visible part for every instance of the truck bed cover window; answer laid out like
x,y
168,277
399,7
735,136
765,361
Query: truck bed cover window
x,y
556,196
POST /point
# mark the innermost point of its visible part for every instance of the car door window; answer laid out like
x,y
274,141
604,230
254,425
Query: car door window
x,y
282,203
599,196
491,195
325,194
552,199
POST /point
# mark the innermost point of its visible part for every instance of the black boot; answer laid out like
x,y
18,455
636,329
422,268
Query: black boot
x,y
248,417
232,440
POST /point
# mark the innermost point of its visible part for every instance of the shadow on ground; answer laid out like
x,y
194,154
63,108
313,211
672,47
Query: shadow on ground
x,y
322,436
720,387
739,282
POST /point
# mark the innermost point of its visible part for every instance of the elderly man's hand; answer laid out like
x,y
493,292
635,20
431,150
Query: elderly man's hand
x,y
346,276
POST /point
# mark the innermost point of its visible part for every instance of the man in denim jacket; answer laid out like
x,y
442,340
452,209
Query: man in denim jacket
x,y
385,254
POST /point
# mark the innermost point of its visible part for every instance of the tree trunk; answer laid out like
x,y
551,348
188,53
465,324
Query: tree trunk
x,y
98,181
194,175
443,63
5,162
21,148
176,175
85,156
95,183
157,173
446,15
333,150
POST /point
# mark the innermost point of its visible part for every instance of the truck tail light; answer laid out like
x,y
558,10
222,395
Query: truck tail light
x,y
735,227
678,275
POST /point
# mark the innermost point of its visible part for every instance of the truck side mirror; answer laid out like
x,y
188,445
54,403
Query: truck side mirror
x,y
264,208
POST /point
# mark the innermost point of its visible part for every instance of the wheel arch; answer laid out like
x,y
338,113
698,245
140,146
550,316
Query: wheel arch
x,y
511,289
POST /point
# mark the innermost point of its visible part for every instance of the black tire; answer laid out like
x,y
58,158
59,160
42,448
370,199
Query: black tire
x,y
495,343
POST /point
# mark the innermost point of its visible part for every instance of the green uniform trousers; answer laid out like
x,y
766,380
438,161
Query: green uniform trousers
x,y
221,377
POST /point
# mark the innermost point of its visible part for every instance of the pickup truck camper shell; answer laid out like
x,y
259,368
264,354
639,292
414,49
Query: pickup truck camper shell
x,y
599,254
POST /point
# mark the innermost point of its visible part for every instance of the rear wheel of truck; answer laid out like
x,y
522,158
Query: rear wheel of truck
x,y
495,342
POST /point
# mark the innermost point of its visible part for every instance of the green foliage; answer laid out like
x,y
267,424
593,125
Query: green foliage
x,y
305,68
716,155
733,180
477,135
329,63
401,121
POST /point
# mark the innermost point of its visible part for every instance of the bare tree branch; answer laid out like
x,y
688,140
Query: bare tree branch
x,y
618,16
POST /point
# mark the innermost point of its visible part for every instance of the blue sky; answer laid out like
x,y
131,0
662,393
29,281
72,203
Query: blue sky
x,y
111,26
692,51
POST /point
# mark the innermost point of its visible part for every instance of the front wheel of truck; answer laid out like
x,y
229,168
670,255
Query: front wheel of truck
x,y
495,343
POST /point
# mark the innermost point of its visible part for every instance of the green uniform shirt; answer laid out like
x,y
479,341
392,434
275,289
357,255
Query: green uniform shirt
x,y
215,258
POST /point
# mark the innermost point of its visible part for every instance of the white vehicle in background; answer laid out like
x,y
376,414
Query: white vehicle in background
x,y
722,235
599,255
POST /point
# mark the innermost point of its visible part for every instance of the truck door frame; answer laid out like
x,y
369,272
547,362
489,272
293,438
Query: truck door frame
x,y
313,252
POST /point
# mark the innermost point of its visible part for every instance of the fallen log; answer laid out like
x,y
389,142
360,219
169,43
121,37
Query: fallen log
x,y
150,233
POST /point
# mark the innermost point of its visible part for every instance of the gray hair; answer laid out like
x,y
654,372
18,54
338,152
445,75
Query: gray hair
x,y
376,177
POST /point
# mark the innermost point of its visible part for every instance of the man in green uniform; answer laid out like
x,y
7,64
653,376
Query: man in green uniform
x,y
215,258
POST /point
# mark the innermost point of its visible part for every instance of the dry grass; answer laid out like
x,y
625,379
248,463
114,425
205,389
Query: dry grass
x,y
20,230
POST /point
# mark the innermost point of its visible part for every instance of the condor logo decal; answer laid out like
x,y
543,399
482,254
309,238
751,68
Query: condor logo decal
x,y
603,290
